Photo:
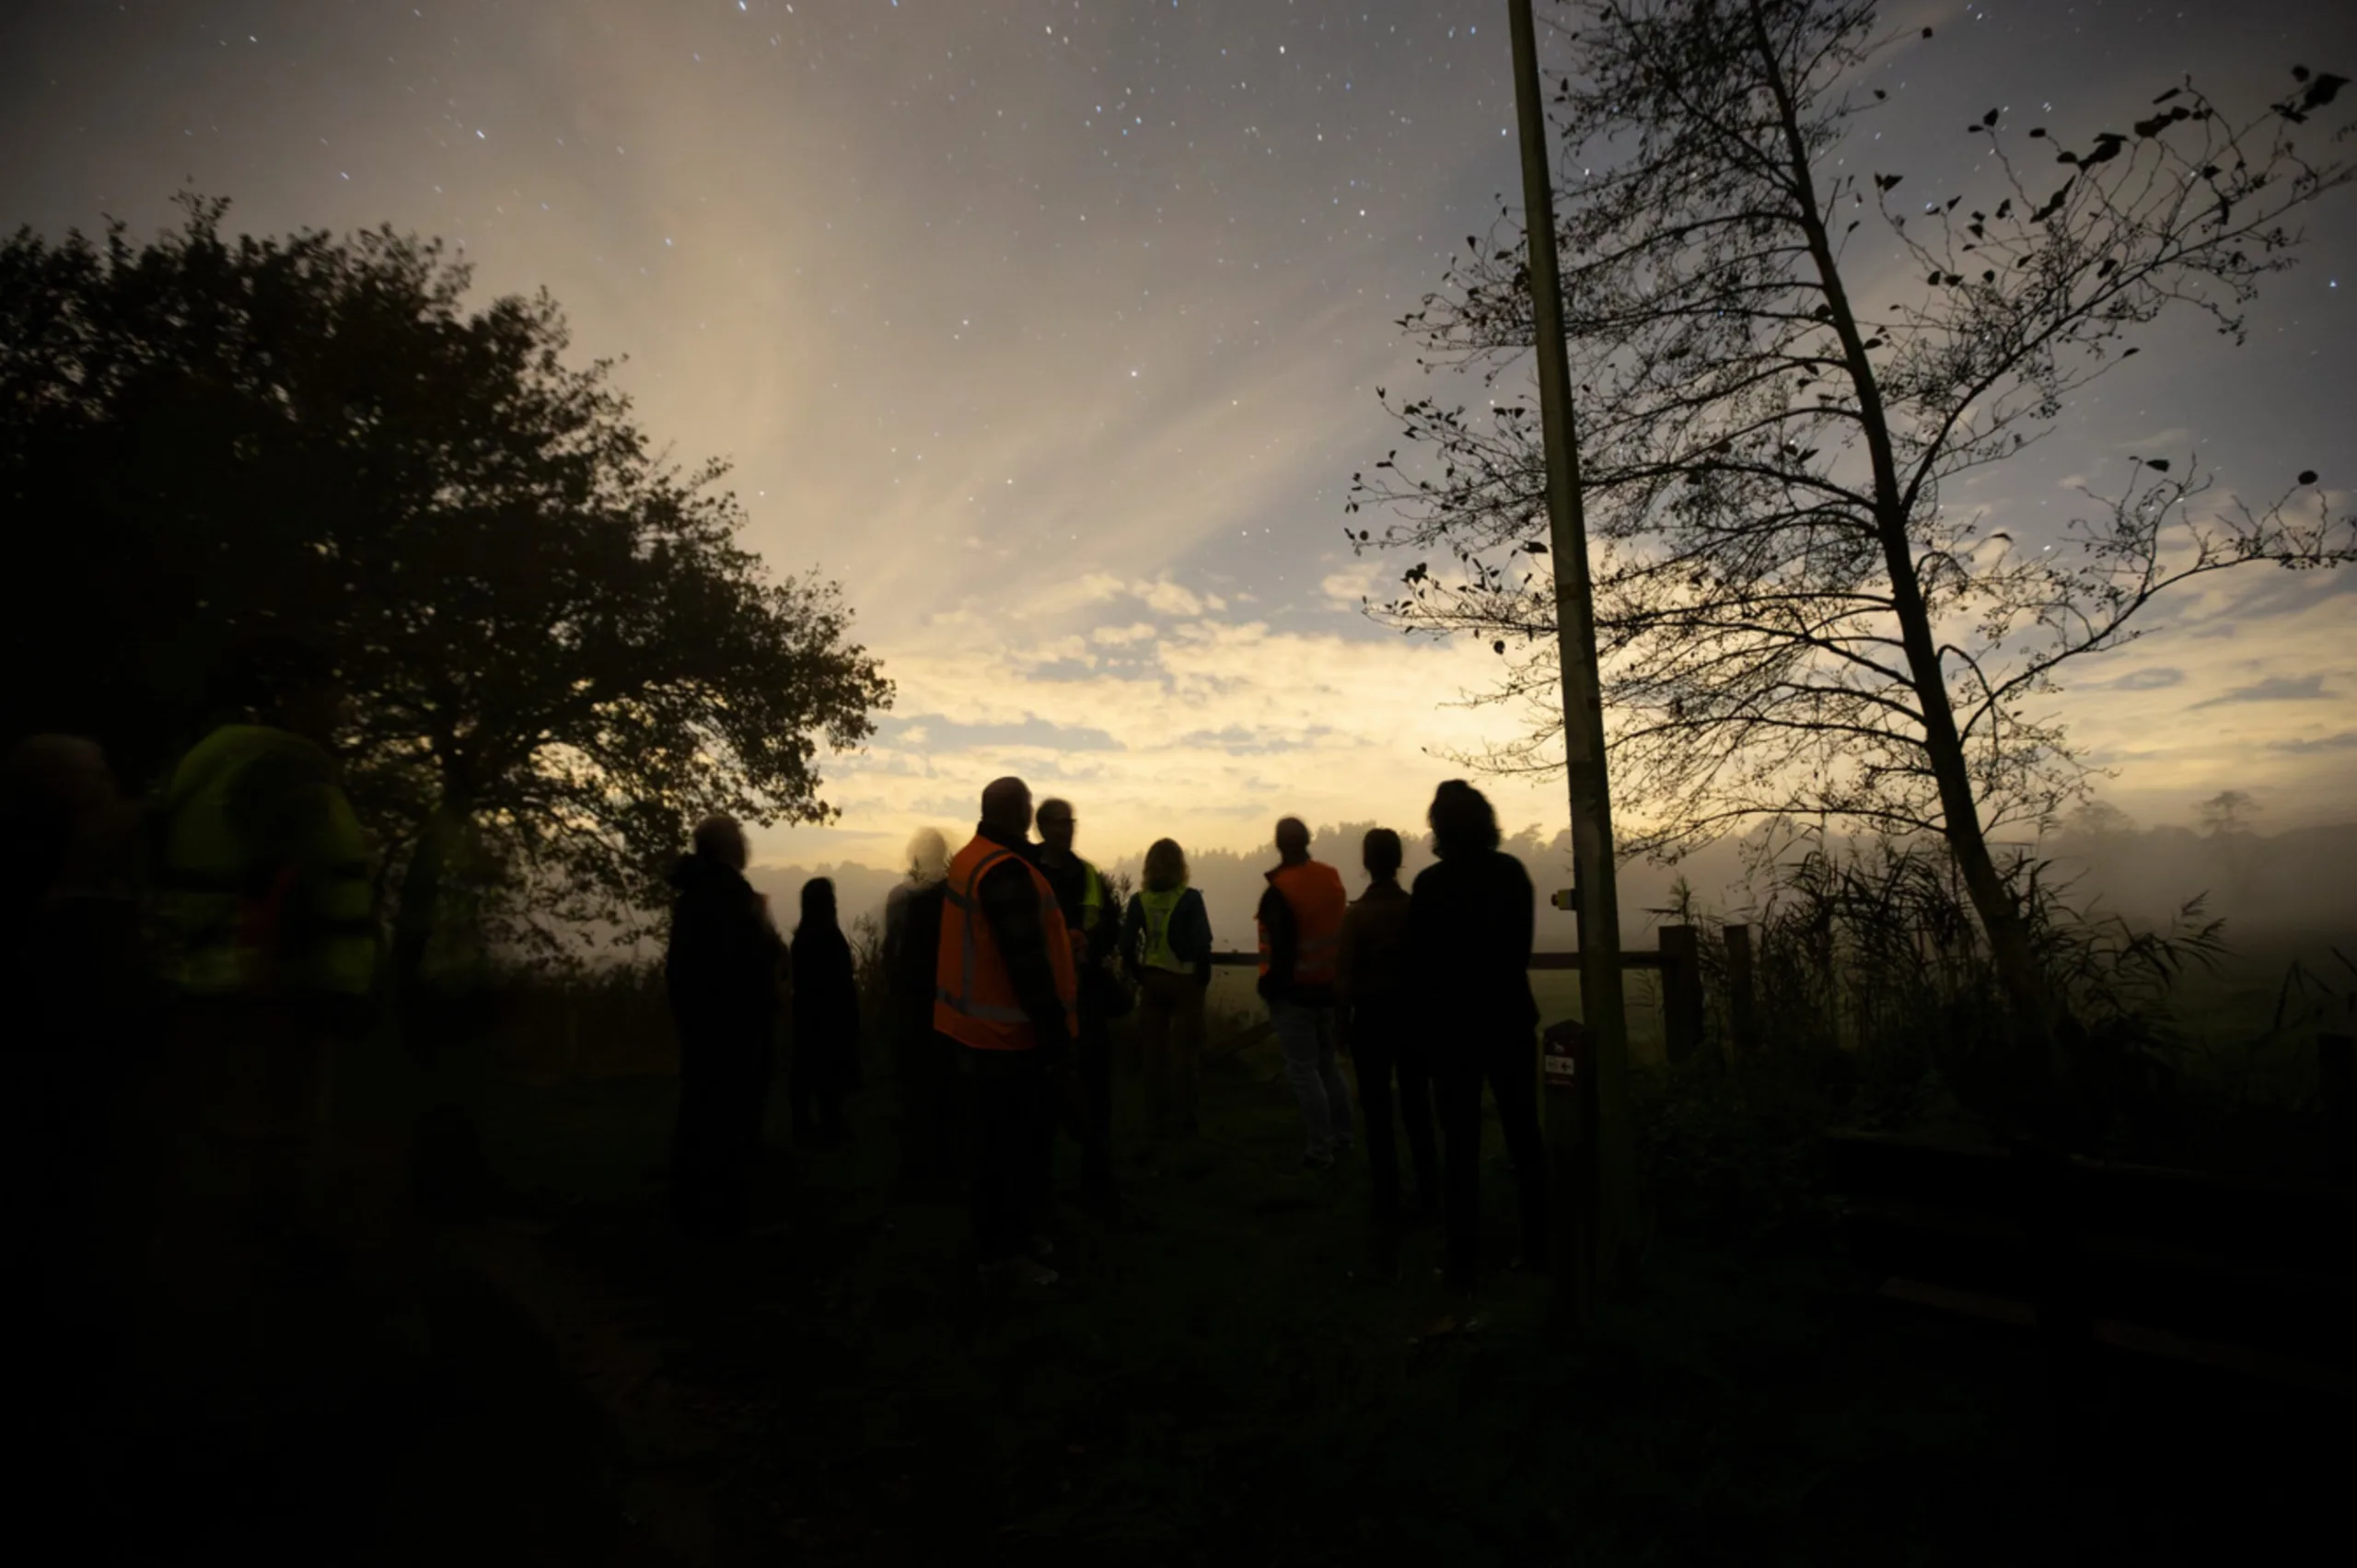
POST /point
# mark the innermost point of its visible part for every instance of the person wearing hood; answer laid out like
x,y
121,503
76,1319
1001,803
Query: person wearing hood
x,y
825,1017
721,966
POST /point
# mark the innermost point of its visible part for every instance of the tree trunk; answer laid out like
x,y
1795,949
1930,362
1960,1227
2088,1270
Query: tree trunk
x,y
2026,988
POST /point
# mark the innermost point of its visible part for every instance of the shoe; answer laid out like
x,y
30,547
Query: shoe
x,y
1019,1272
1042,1248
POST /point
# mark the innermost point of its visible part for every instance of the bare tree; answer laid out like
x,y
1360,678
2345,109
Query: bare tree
x,y
1792,621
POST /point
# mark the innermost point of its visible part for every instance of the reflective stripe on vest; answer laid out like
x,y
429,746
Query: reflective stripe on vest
x,y
974,999
1159,908
216,897
1313,890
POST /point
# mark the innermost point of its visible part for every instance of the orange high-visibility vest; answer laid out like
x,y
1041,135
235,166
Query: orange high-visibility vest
x,y
1313,891
974,1001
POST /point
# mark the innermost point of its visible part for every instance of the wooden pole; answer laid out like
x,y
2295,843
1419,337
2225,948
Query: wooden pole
x,y
1681,993
2337,1087
1601,1004
1741,1041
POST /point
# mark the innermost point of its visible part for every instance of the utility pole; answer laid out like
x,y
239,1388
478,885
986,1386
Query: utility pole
x,y
1598,1182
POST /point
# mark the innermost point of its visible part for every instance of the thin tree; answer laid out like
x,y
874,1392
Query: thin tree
x,y
1796,620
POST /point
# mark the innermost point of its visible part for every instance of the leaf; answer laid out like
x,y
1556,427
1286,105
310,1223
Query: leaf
x,y
1535,548
1927,32
2160,463
2323,90
1498,646
1879,93
1885,181
2037,130
2307,476
2299,72
2168,95
1989,118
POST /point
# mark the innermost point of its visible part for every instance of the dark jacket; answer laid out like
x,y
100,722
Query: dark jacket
x,y
725,958
1373,965
1011,905
1190,937
912,941
826,1000
1469,926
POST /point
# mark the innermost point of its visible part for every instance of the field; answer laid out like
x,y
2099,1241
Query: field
x,y
1227,1374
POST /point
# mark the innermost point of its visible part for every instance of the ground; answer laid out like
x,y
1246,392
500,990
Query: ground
x,y
1222,1376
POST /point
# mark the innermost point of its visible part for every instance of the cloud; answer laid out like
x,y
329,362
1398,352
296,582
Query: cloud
x,y
2157,679
2275,689
1168,598
2344,741
937,734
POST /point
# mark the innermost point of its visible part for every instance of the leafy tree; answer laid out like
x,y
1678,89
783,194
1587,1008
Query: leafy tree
x,y
2228,812
551,631
1794,619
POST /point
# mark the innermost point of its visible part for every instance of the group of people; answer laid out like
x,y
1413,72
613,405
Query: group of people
x,y
1004,964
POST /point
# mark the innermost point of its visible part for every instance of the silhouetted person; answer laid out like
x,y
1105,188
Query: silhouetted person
x,y
1095,928
264,886
1301,932
1009,994
1166,943
825,1017
77,1014
722,968
925,1064
1387,1042
1469,926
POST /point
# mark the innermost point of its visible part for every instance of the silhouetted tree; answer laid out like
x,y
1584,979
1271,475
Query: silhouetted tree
x,y
548,628
1794,621
2228,812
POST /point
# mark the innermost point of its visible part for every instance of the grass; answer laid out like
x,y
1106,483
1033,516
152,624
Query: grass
x,y
1222,1376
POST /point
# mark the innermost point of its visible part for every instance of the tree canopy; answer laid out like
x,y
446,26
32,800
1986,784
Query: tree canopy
x,y
1794,619
547,625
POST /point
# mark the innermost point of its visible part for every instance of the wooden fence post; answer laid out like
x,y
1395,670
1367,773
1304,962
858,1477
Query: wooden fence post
x,y
1681,993
1569,1072
2337,1087
1741,1024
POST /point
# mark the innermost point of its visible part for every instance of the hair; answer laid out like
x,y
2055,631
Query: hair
x,y
1380,853
1052,806
719,838
928,856
1293,835
1165,865
1461,820
817,905
1003,799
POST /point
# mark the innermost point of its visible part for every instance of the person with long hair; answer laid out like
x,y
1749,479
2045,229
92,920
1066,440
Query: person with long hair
x,y
1165,944
1470,923
825,1017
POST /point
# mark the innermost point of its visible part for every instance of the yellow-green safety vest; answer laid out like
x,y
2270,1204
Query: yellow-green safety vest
x,y
1159,907
211,881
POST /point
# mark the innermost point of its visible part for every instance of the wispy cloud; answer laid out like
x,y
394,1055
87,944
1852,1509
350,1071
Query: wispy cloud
x,y
2275,689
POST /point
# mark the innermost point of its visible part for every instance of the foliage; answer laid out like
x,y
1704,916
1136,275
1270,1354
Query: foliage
x,y
543,620
1795,617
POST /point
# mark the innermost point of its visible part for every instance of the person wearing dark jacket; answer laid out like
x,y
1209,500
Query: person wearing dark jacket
x,y
925,1066
825,1017
722,967
1470,927
1166,944
1007,992
1095,925
1385,1040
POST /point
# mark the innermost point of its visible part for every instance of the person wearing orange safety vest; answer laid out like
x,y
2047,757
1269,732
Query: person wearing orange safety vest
x,y
1301,934
1007,990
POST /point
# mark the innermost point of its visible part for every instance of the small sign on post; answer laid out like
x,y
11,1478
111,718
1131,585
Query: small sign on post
x,y
1561,1041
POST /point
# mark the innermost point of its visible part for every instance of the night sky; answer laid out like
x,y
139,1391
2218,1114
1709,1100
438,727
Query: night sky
x,y
1052,329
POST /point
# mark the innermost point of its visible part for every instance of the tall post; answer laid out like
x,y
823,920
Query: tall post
x,y
1601,1003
